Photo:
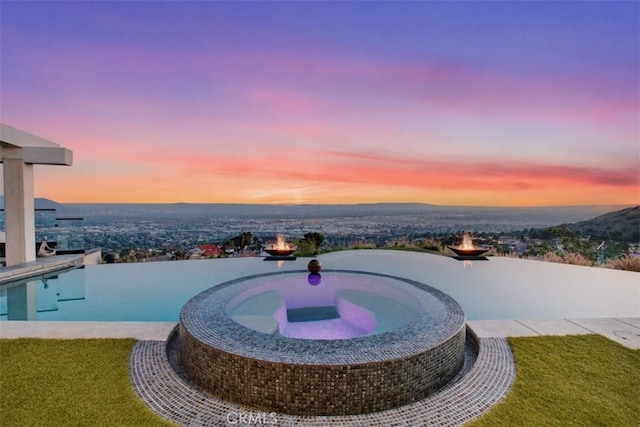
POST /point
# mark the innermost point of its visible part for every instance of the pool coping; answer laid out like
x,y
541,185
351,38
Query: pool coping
x,y
623,330
40,266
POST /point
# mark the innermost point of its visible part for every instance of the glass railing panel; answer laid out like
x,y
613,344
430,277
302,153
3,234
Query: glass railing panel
x,y
45,225
70,235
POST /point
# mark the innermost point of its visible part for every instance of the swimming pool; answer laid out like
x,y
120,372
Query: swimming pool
x,y
501,288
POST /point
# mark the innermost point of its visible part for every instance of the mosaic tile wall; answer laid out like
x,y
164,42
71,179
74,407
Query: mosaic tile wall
x,y
321,389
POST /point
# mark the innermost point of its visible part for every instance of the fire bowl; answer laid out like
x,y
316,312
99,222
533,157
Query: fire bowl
x,y
280,252
474,252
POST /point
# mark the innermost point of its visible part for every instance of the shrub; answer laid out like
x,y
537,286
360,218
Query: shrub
x,y
306,247
431,244
511,255
363,245
567,258
577,259
399,243
550,257
491,252
625,262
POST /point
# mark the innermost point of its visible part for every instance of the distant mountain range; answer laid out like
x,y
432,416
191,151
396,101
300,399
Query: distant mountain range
x,y
40,203
564,214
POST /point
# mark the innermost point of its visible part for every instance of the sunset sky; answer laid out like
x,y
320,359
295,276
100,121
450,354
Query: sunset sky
x,y
451,103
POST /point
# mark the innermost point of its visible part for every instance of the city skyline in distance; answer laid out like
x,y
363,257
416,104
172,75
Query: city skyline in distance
x,y
467,104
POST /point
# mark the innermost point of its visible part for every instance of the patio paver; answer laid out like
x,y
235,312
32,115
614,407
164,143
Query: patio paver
x,y
500,328
618,330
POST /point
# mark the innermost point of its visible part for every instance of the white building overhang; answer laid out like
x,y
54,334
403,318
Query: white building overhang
x,y
17,144
19,152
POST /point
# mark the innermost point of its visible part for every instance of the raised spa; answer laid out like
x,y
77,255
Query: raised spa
x,y
344,343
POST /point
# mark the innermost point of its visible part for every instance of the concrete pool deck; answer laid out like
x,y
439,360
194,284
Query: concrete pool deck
x,y
625,331
154,331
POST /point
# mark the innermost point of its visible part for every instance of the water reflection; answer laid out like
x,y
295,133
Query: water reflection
x,y
314,279
24,299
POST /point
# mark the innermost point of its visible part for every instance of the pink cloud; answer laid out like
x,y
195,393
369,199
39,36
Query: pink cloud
x,y
309,166
454,87
282,101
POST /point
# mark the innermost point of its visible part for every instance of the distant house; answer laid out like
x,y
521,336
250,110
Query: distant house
x,y
514,245
206,251
519,248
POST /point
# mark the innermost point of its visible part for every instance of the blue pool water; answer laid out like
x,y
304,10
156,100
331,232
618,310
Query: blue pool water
x,y
500,288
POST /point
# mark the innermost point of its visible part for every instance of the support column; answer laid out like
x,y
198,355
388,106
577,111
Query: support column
x,y
20,229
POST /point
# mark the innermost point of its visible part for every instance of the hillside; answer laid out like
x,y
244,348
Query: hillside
x,y
621,226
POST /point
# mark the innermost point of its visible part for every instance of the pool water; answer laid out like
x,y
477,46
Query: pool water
x,y
335,305
501,288
312,314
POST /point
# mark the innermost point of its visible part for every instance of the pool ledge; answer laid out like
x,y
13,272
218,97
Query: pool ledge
x,y
155,331
46,265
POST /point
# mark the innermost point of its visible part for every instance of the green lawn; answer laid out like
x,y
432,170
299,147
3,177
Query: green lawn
x,y
69,383
583,380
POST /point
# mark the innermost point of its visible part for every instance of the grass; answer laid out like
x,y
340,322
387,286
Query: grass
x,y
584,380
69,383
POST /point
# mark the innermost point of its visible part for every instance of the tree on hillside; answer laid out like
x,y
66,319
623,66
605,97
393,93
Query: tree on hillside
x,y
572,242
308,246
240,241
317,238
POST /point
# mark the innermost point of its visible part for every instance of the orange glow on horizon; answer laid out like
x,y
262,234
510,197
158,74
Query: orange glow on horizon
x,y
585,196
334,179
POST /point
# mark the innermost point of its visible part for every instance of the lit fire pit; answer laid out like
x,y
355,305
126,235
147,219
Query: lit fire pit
x,y
467,250
280,250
